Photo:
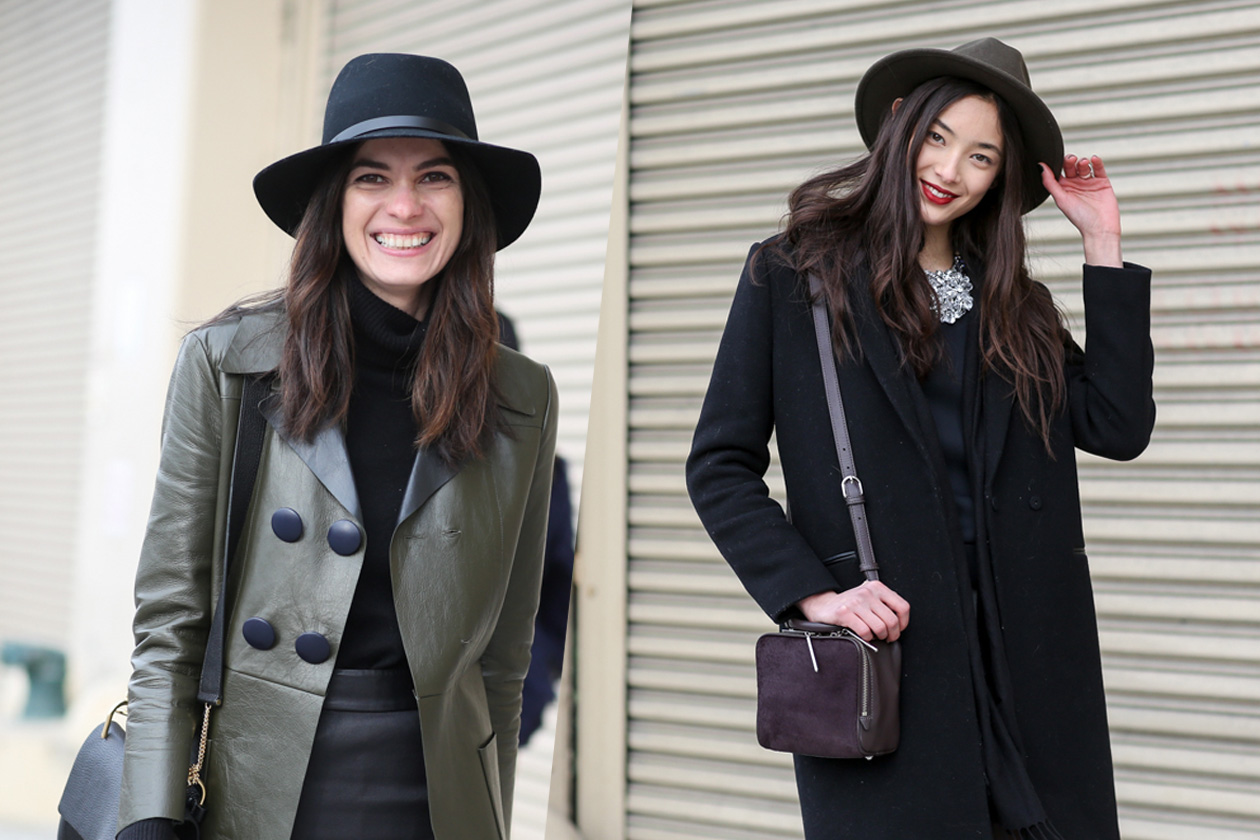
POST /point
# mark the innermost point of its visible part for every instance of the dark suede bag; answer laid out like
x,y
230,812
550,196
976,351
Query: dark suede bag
x,y
824,691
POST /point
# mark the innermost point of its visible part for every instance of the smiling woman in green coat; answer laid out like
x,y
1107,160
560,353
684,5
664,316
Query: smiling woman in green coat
x,y
382,596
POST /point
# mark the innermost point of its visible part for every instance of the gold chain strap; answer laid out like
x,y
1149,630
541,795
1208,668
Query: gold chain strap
x,y
194,772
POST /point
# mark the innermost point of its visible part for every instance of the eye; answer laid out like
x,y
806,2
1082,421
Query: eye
x,y
935,137
983,158
369,178
437,177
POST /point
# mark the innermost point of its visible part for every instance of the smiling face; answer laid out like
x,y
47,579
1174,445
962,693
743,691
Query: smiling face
x,y
402,215
959,160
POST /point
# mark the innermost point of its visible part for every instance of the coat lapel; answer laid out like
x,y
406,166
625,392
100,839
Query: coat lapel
x,y
428,473
997,403
256,349
993,403
325,456
881,354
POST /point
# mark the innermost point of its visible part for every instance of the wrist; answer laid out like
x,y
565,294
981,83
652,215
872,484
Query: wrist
x,y
1103,249
807,604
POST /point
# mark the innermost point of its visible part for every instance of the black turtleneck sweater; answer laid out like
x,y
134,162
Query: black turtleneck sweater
x,y
380,436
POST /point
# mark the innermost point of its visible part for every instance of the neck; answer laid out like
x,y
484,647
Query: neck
x,y
938,251
415,302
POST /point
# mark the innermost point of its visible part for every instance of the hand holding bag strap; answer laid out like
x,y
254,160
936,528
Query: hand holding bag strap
x,y
249,442
850,486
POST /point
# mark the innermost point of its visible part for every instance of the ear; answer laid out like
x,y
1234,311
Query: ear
x,y
897,103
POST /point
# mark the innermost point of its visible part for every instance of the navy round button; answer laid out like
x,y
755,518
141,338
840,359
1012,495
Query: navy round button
x,y
344,537
1035,503
259,633
287,524
313,647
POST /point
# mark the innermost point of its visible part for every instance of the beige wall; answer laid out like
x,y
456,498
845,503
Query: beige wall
x,y
200,94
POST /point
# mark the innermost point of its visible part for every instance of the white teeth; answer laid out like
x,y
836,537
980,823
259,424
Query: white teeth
x,y
393,240
939,193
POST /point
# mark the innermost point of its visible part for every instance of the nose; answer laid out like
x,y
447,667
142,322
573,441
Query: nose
x,y
405,202
947,167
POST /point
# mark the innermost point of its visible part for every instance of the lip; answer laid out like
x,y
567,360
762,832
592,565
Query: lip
x,y
926,187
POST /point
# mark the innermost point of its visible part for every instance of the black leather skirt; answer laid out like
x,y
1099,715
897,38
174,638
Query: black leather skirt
x,y
366,773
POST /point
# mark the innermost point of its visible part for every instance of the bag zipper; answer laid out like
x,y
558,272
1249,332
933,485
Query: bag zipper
x,y
864,649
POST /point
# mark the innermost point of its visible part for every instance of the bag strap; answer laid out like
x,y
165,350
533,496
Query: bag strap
x,y
850,485
251,428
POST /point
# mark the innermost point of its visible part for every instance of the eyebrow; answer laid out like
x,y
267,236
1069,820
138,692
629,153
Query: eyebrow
x,y
424,164
944,125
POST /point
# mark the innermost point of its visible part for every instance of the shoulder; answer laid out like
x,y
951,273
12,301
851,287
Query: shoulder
x,y
771,260
524,386
770,282
248,340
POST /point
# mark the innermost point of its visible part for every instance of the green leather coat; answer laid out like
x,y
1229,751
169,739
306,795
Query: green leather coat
x,y
466,561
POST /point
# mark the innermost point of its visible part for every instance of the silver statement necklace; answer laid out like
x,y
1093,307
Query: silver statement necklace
x,y
951,291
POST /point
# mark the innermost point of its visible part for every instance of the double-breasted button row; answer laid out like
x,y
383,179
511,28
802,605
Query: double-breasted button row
x,y
344,536
311,647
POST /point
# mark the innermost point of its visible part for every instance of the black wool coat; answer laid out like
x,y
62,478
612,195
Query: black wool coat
x,y
767,378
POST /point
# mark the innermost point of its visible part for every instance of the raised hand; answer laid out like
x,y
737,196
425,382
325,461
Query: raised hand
x,y
1085,197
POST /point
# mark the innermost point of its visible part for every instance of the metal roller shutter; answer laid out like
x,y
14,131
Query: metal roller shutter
x,y
546,77
733,104
52,61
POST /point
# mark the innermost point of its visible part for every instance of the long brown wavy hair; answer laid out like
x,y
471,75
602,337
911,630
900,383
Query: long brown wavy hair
x,y
452,391
867,214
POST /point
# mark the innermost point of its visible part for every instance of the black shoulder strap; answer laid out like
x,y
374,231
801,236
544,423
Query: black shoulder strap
x,y
850,485
249,442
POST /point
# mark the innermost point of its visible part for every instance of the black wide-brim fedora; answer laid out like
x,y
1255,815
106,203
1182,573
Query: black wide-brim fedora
x,y
987,61
398,95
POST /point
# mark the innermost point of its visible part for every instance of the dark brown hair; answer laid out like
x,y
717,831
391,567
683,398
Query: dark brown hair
x,y
452,392
867,213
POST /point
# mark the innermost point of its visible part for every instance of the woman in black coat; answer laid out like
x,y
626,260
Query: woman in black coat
x,y
965,397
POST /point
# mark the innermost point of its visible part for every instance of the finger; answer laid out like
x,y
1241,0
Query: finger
x,y
901,608
878,626
1069,166
893,610
887,624
859,626
1100,171
894,621
898,605
1048,179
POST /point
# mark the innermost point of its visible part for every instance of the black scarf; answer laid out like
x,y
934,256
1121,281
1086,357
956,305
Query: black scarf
x,y
1012,796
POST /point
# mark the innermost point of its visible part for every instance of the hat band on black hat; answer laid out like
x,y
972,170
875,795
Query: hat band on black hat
x,y
401,121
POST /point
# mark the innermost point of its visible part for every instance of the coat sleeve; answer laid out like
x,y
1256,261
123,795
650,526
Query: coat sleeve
x,y
173,593
730,452
506,658
1109,383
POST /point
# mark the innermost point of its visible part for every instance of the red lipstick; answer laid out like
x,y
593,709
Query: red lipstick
x,y
930,193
